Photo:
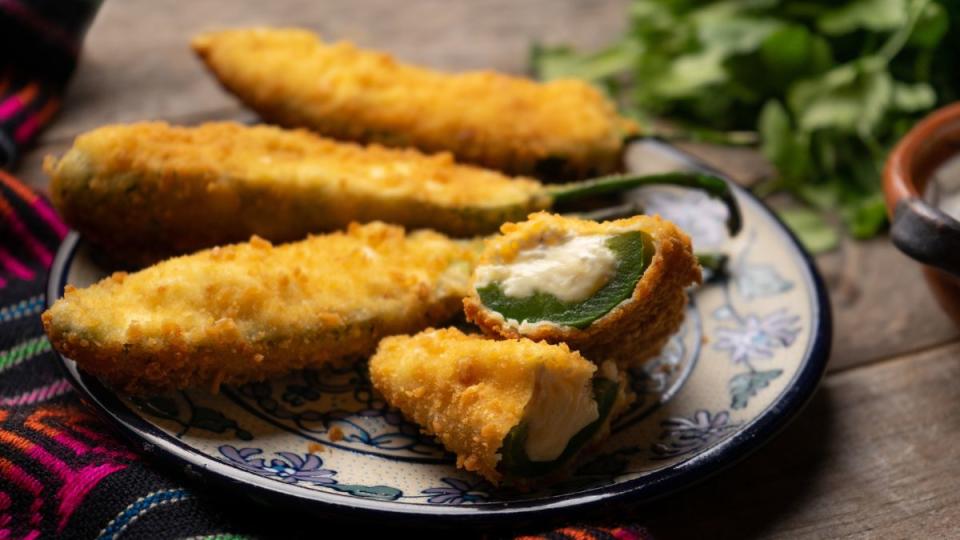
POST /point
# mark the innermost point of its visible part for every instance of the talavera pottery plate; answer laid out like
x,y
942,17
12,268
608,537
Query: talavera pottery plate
x,y
749,355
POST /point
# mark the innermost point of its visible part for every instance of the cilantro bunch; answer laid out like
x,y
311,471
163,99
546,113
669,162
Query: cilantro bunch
x,y
825,87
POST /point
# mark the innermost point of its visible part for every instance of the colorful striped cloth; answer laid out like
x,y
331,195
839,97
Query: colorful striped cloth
x,y
39,46
62,472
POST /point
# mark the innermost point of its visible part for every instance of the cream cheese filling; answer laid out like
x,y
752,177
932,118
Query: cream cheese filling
x,y
559,409
571,271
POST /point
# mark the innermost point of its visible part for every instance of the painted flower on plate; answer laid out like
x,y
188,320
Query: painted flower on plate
x,y
685,435
456,492
761,280
286,467
758,337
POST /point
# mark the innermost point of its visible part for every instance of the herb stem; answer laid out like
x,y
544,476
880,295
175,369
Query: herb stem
x,y
895,44
700,135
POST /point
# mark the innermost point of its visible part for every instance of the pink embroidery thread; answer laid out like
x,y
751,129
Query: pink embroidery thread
x,y
16,224
23,480
75,483
43,209
14,266
37,395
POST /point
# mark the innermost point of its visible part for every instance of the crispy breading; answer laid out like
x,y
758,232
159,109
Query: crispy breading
x,y
250,311
631,332
470,391
150,190
563,128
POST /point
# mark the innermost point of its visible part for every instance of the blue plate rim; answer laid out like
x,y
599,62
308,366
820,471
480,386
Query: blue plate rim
x,y
648,487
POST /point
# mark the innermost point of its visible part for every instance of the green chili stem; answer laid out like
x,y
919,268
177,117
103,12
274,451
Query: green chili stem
x,y
611,212
716,263
714,186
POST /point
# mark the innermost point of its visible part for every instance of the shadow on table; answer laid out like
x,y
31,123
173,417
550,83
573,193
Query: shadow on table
x,y
749,499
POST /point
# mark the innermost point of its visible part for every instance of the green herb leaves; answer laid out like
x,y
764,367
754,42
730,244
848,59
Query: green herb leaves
x,y
815,233
633,251
829,85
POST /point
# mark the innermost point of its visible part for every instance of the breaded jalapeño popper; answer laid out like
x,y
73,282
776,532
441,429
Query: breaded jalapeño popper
x,y
511,410
560,129
150,190
613,290
250,311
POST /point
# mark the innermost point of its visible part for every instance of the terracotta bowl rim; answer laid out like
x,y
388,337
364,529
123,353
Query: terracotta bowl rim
x,y
908,167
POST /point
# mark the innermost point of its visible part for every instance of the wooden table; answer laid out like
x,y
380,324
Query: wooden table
x,y
876,453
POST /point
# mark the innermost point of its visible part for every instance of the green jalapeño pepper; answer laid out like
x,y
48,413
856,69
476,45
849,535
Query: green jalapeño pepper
x,y
633,251
516,464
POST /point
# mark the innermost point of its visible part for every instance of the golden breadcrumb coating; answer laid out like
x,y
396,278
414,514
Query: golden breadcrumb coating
x,y
631,332
563,128
250,311
470,391
149,190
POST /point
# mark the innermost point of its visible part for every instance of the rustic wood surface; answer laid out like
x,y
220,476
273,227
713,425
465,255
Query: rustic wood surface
x,y
876,452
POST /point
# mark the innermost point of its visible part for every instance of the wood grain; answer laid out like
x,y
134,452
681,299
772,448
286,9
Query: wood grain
x,y
745,165
881,304
874,455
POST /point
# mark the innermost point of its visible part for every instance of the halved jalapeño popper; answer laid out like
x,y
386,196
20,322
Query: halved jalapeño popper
x,y
251,311
151,190
515,410
614,290
290,77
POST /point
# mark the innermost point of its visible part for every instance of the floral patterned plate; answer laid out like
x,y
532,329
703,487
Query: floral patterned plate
x,y
748,357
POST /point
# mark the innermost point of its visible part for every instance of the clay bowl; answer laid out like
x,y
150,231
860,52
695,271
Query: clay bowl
x,y
921,183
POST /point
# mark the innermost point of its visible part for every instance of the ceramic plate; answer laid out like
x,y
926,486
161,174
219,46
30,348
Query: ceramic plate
x,y
748,356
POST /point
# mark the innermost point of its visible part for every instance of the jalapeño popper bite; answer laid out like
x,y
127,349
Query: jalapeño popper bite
x,y
560,129
251,311
613,290
148,191
512,410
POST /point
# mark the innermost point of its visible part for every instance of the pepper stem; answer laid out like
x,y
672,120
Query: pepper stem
x,y
716,262
714,186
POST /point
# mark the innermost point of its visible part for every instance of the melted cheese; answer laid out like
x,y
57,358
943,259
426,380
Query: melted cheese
x,y
558,410
571,271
